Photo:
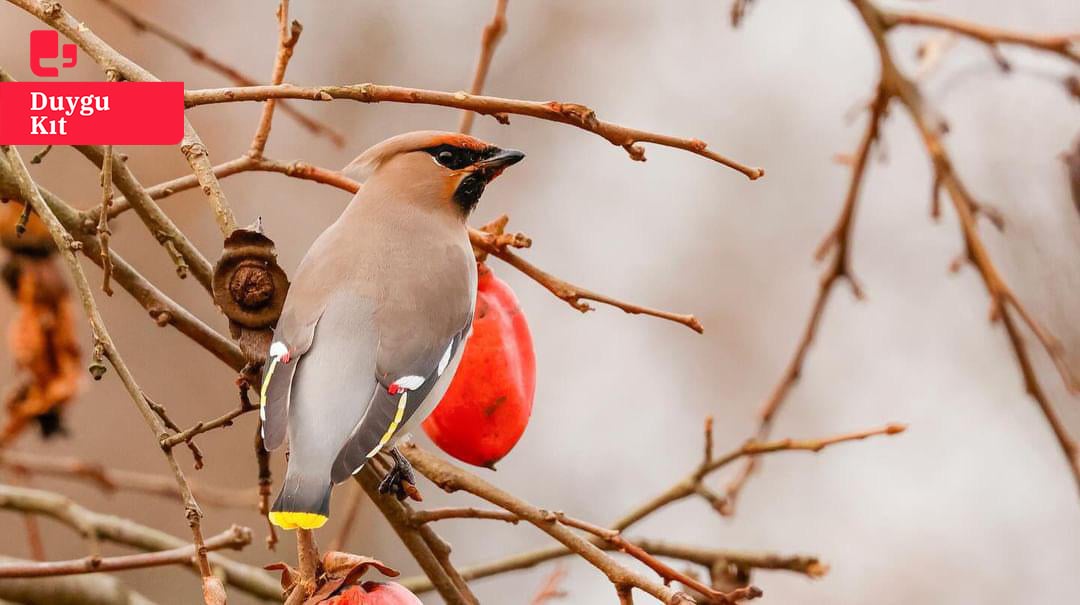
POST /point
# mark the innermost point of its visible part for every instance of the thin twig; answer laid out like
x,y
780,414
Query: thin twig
x,y
575,296
201,56
39,157
103,232
1003,301
689,485
493,32
226,419
665,571
572,114
110,480
288,36
463,512
234,538
163,414
129,533
451,478
1064,45
551,589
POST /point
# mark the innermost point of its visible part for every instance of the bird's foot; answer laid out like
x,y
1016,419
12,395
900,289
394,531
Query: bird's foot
x,y
400,480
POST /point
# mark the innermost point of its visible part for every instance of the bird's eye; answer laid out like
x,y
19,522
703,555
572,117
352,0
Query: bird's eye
x,y
454,158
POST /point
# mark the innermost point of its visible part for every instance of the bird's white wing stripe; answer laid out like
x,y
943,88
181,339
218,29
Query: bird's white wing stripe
x,y
278,349
409,383
445,361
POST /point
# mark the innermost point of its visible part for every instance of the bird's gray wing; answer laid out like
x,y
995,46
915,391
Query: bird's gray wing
x,y
293,337
333,384
398,395
278,375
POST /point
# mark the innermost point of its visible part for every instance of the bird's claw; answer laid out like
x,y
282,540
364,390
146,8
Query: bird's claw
x,y
400,480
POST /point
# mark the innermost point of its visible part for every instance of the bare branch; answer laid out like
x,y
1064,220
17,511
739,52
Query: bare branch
x,y
103,223
565,113
551,588
690,484
202,57
122,531
111,480
397,515
452,479
493,32
1064,45
288,36
98,589
235,538
1002,300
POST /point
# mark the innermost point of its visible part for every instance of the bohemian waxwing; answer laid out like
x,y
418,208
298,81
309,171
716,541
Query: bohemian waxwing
x,y
376,317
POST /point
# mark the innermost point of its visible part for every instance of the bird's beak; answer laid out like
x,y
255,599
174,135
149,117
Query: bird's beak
x,y
493,166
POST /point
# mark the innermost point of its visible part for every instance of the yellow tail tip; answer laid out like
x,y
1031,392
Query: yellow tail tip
x,y
287,520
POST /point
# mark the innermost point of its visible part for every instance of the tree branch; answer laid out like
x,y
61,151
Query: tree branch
x,y
397,516
493,32
201,56
451,479
1002,300
572,114
122,531
99,589
1064,45
235,538
288,36
111,480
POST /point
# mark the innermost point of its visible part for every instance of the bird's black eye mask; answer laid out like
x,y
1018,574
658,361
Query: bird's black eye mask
x,y
457,158
471,187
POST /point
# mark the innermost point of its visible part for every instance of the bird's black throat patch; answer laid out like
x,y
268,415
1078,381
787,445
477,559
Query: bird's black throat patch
x,y
469,190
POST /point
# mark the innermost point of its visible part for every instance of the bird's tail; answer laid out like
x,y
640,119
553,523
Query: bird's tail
x,y
304,502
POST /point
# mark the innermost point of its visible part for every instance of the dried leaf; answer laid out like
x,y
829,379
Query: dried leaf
x,y
289,574
342,569
351,567
42,342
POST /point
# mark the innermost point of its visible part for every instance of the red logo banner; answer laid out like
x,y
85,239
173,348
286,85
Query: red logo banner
x,y
91,113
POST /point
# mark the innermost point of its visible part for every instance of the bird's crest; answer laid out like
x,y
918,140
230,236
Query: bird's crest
x,y
366,163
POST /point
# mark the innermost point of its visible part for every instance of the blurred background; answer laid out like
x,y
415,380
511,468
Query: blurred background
x,y
974,504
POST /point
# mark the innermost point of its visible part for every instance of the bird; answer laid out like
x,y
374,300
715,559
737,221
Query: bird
x,y
376,317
